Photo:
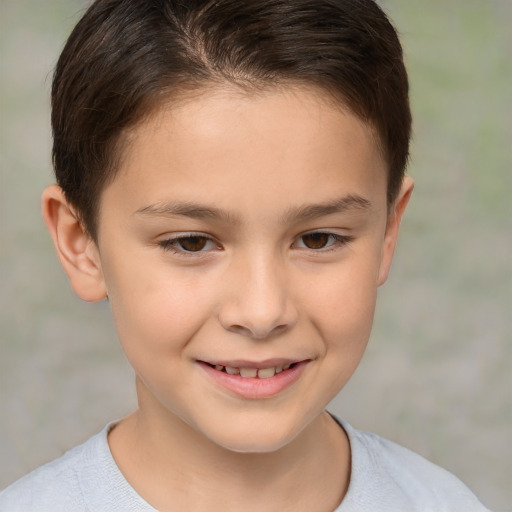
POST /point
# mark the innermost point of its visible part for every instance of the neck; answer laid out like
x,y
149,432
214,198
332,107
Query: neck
x,y
174,467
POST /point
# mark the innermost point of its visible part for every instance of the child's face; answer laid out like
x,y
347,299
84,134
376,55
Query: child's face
x,y
249,232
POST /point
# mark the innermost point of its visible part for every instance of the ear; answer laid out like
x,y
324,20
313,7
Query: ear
x,y
393,227
77,252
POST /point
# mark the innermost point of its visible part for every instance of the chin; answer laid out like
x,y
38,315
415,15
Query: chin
x,y
254,437
251,445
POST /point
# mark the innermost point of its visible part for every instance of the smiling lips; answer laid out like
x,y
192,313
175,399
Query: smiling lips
x,y
248,373
255,381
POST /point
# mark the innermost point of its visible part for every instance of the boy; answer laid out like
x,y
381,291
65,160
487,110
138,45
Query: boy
x,y
231,177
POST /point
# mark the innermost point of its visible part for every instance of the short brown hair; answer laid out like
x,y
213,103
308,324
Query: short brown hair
x,y
125,56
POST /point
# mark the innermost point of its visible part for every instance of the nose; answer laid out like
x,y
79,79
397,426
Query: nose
x,y
258,303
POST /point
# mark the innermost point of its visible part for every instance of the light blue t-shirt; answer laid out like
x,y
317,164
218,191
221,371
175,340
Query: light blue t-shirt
x,y
385,477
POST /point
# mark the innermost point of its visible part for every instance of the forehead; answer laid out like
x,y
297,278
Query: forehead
x,y
220,144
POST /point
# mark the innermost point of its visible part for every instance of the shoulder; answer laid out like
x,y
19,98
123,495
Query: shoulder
x,y
54,485
84,478
386,476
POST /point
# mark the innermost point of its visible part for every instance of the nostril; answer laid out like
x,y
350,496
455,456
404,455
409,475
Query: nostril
x,y
279,329
258,334
257,319
240,329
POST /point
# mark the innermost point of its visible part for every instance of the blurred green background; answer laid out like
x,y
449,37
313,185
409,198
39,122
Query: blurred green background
x,y
437,376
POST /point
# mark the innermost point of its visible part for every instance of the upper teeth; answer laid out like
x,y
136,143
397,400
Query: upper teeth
x,y
262,373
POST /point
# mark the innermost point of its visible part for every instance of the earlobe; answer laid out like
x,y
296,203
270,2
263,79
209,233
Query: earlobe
x,y
393,226
77,253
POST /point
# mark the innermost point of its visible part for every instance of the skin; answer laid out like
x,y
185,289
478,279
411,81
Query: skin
x,y
261,287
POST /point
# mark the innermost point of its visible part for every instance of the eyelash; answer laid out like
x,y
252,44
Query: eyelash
x,y
338,241
172,244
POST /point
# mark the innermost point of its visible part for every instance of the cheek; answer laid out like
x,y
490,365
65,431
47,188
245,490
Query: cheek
x,y
343,307
156,311
340,308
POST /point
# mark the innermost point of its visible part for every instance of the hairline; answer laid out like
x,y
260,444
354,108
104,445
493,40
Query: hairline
x,y
189,92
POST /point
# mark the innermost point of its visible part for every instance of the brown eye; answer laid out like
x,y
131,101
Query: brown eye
x,y
192,243
316,240
186,244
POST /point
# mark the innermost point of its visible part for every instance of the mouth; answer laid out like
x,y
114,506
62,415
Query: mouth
x,y
251,380
251,372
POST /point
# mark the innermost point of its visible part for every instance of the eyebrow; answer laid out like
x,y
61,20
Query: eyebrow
x,y
188,209
349,203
